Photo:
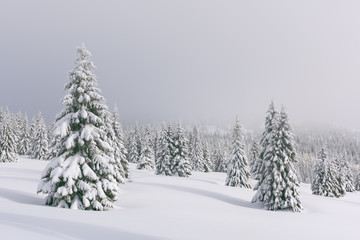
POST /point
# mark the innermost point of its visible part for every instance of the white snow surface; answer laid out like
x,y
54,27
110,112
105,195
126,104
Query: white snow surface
x,y
163,207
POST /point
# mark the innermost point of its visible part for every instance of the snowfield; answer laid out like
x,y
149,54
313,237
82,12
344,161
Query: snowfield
x,y
161,207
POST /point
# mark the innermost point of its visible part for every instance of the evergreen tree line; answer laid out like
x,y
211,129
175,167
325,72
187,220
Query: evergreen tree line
x,y
17,138
90,154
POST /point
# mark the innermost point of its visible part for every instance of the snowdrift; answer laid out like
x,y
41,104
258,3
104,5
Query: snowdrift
x,y
161,207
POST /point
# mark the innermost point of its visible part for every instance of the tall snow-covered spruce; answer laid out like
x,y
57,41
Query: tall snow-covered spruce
x,y
181,164
278,185
7,139
196,152
82,175
147,158
270,125
238,174
165,151
40,140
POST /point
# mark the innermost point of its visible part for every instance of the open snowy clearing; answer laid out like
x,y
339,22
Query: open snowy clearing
x,y
160,207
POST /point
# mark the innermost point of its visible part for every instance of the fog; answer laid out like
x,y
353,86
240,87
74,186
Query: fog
x,y
191,60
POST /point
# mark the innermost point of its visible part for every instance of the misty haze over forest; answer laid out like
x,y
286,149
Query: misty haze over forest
x,y
197,61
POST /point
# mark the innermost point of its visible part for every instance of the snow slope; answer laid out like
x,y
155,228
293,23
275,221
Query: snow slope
x,y
160,207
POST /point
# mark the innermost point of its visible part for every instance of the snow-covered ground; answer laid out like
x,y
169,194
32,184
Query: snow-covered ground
x,y
160,207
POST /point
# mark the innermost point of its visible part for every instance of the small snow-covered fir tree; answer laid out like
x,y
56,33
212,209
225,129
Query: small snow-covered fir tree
x,y
238,174
24,141
17,124
180,165
32,131
254,152
271,123
7,139
119,148
346,174
278,186
40,140
147,160
220,160
317,184
138,141
326,181
165,151
82,176
207,162
196,154
132,148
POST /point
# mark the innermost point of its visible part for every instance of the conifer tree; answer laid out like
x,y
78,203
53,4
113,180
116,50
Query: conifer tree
x,y
278,185
238,174
207,163
32,131
271,123
82,176
317,185
196,155
220,161
40,140
165,151
24,142
180,164
119,148
132,148
7,139
254,152
138,141
326,181
17,121
147,160
346,175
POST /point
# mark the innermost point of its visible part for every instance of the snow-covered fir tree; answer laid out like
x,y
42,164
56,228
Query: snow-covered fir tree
x,y
138,141
180,165
220,161
24,141
278,185
17,124
32,131
319,179
40,140
7,139
132,147
207,162
271,123
119,148
147,160
357,180
165,151
82,176
346,174
326,181
196,154
238,174
254,152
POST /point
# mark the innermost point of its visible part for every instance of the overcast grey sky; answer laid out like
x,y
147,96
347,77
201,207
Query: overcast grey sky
x,y
191,60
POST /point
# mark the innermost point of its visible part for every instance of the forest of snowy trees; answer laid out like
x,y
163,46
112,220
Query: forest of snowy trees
x,y
89,151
